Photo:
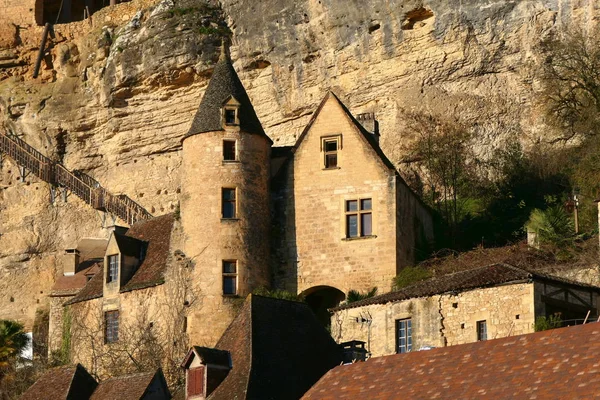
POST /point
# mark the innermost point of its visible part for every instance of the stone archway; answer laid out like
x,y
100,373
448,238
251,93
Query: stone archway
x,y
322,298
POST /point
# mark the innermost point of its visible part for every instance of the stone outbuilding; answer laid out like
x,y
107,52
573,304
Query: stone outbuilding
x,y
484,303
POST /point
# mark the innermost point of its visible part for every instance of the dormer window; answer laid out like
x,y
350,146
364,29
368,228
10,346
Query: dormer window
x,y
230,112
112,274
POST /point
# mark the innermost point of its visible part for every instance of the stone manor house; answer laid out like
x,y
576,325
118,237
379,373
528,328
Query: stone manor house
x,y
325,216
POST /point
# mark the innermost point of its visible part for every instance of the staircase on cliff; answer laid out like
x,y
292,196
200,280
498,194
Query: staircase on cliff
x,y
82,185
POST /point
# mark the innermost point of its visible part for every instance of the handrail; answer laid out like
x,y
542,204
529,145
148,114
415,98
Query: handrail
x,y
82,185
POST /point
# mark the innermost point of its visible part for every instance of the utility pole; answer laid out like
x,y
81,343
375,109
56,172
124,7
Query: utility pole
x,y
575,210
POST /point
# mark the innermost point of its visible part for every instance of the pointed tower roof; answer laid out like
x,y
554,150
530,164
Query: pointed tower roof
x,y
223,85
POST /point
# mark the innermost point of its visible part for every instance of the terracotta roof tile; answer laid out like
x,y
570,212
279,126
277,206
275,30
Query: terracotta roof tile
x,y
157,232
129,387
490,275
68,382
70,285
555,364
92,290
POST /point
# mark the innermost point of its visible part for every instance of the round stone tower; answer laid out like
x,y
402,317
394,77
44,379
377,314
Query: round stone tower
x,y
224,202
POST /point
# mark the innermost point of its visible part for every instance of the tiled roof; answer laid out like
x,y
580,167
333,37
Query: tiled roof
x,y
157,233
223,84
128,246
70,285
278,350
69,382
92,290
213,356
490,275
131,387
555,364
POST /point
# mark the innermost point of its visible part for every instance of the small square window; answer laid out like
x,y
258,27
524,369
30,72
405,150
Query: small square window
x,y
230,116
230,277
229,150
228,205
403,335
111,326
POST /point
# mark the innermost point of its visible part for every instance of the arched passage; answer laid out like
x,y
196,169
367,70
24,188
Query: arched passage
x,y
321,298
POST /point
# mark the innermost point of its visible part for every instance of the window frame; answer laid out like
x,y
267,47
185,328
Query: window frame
x,y
236,118
228,153
111,326
407,346
359,213
224,202
110,277
329,139
481,327
230,275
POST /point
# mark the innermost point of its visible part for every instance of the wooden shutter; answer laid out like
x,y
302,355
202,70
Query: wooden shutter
x,y
195,381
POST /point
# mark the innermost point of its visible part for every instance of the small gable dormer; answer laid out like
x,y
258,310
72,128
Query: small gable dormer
x,y
205,369
123,256
230,112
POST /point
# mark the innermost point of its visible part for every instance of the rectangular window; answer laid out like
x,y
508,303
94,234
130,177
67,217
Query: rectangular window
x,y
359,218
403,335
111,326
330,149
195,381
230,116
481,330
228,203
229,150
112,274
230,277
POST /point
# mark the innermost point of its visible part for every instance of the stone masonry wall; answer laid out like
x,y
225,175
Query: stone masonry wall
x,y
435,320
209,239
319,252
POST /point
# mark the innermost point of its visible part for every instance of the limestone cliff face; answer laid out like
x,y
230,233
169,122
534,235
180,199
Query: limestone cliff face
x,y
116,96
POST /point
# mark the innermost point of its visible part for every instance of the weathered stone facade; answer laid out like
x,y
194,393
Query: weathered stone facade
x,y
451,318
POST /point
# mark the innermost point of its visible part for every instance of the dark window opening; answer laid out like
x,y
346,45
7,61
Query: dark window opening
x,y
359,218
229,150
230,117
111,326
228,203
481,330
331,148
229,277
403,335
113,268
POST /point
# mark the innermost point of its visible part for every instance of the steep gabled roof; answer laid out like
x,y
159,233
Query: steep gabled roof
x,y
555,364
487,276
224,84
366,135
278,350
133,387
208,356
71,285
68,383
156,232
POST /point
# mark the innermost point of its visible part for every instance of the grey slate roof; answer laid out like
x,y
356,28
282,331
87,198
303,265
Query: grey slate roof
x,y
223,84
491,275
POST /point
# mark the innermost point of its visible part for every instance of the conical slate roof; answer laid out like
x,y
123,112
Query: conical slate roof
x,y
224,83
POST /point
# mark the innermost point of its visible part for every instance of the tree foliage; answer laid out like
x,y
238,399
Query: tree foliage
x,y
571,79
355,295
278,294
553,225
12,340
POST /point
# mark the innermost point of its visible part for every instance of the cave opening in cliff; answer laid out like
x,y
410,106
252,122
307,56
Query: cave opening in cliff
x,y
65,11
415,17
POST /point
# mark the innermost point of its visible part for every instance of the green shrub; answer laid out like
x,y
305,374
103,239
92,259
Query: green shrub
x,y
355,295
546,323
410,275
278,294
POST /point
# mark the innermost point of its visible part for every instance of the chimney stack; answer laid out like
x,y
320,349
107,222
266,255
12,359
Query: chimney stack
x,y
368,121
70,262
